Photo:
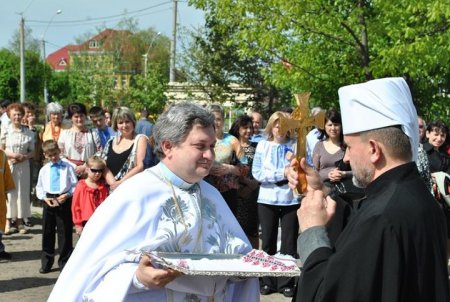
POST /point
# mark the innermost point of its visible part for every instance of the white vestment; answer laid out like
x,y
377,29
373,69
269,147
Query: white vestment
x,y
142,214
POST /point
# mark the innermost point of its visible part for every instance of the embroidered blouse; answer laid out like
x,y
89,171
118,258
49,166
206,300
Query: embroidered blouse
x,y
268,168
78,146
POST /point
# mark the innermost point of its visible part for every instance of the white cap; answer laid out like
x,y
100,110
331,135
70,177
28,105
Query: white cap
x,y
378,104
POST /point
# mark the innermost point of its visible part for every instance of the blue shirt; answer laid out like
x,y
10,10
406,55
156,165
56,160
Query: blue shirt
x,y
104,135
47,182
144,127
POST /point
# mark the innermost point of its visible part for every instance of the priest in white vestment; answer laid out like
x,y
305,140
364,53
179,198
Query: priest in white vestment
x,y
166,208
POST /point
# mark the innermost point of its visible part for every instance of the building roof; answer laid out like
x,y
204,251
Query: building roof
x,y
60,59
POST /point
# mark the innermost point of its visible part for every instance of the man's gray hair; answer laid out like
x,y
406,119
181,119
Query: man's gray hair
x,y
54,108
397,143
175,124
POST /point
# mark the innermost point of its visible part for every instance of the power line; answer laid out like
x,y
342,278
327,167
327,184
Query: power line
x,y
90,22
77,22
28,6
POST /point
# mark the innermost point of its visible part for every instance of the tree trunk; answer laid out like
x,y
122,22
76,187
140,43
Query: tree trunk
x,y
364,48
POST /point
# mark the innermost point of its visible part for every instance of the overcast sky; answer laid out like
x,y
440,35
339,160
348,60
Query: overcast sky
x,y
89,14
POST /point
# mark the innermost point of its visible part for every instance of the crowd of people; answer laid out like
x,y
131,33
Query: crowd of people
x,y
235,186
70,164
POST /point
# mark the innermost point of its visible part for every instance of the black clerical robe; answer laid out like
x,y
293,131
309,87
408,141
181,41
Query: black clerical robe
x,y
392,249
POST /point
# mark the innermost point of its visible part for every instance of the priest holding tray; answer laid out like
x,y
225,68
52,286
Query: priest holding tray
x,y
167,208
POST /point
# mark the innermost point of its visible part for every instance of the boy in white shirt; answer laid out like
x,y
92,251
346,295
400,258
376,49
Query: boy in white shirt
x,y
55,186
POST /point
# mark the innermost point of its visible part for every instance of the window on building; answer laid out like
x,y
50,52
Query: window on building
x,y
94,44
62,62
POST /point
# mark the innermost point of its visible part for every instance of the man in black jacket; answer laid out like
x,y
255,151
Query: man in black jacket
x,y
393,247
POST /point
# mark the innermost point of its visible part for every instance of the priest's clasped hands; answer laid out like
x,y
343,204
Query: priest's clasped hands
x,y
317,208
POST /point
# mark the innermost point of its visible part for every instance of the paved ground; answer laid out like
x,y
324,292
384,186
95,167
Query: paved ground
x,y
20,279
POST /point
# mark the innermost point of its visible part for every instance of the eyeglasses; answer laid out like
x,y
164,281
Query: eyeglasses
x,y
96,170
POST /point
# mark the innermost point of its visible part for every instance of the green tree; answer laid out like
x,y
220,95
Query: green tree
x,y
94,79
9,75
148,91
59,88
212,62
321,45
31,43
35,72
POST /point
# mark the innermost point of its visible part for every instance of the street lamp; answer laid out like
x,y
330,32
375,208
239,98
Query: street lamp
x,y
43,53
146,54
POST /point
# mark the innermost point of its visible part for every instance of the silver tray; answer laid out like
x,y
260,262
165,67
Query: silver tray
x,y
172,260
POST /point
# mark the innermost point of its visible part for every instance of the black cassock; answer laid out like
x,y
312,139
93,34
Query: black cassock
x,y
393,248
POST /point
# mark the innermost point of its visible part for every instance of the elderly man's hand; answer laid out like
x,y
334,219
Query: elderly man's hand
x,y
315,210
312,176
153,277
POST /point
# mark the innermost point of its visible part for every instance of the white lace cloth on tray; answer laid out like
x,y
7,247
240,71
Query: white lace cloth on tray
x,y
254,264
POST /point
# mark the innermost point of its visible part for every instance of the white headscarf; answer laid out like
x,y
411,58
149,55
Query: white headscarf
x,y
378,104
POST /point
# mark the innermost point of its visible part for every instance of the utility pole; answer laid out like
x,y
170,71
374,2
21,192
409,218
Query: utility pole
x,y
173,45
22,59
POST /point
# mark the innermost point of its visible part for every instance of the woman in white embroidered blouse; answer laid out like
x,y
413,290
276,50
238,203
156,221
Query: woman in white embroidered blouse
x,y
276,202
18,143
78,143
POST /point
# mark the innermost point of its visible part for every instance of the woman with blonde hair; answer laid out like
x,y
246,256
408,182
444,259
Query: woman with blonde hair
x,y
124,154
276,201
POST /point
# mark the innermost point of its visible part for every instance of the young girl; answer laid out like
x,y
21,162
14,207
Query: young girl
x,y
89,193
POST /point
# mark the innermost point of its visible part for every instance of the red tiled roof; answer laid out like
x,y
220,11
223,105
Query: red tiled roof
x,y
60,59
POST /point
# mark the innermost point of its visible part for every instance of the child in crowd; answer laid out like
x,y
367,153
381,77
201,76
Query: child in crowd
x,y
6,184
98,118
89,193
55,186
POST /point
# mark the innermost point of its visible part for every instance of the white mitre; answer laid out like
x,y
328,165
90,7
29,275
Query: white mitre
x,y
378,104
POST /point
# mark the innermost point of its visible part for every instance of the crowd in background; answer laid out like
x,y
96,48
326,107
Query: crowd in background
x,y
92,152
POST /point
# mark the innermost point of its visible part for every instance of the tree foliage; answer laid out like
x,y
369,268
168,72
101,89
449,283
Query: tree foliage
x,y
9,75
321,45
35,72
213,64
148,90
94,80
31,43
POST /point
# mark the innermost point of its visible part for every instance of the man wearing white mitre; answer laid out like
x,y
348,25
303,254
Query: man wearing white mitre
x,y
167,208
393,246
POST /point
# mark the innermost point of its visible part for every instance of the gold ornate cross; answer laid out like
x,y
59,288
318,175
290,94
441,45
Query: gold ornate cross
x,y
301,122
